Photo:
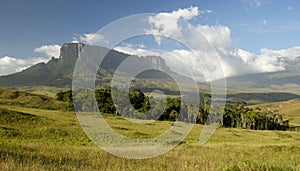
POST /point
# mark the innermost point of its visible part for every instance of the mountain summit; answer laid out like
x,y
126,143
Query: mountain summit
x,y
69,52
59,71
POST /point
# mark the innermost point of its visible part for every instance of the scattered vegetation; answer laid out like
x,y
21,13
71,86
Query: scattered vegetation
x,y
56,142
235,115
25,99
290,109
40,139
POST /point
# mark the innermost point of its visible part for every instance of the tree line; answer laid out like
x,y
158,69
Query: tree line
x,y
236,115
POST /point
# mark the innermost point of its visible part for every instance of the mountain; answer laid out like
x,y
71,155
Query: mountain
x,y
257,98
59,72
253,88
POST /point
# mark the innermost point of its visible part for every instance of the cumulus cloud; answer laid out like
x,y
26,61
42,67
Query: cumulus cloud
x,y
49,50
218,36
234,61
289,53
172,59
166,24
9,65
90,38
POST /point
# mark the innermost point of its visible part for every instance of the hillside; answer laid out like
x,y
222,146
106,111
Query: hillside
x,y
59,72
290,109
56,75
37,139
25,99
260,98
287,80
282,81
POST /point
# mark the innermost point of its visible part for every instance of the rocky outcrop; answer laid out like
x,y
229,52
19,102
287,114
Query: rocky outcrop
x,y
59,72
69,52
157,62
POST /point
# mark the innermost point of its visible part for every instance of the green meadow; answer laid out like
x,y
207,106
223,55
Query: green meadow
x,y
43,139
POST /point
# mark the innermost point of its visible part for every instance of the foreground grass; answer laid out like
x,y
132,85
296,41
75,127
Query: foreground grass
x,y
36,139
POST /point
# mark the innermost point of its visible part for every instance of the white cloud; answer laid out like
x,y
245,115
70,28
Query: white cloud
x,y
290,8
90,38
234,61
136,51
218,36
185,13
49,50
172,59
166,24
288,53
9,65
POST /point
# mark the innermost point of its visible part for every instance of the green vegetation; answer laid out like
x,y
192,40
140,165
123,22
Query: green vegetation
x,y
40,90
25,99
46,139
43,139
40,132
237,115
240,116
290,109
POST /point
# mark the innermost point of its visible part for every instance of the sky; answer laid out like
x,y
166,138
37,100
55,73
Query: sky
x,y
248,35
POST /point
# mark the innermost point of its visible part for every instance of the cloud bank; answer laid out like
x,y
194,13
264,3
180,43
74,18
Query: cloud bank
x,y
9,65
89,38
235,61
49,50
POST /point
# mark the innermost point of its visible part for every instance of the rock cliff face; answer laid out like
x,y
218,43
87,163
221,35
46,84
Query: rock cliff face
x,y
59,72
158,62
69,52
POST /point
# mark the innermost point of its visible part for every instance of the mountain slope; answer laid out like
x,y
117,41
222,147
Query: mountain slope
x,y
59,72
256,98
263,80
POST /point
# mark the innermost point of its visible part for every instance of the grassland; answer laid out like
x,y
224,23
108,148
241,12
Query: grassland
x,y
26,99
290,109
49,91
39,139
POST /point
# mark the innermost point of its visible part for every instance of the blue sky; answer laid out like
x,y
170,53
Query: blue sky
x,y
253,24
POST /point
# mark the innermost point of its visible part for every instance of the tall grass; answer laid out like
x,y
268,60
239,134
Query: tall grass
x,y
57,142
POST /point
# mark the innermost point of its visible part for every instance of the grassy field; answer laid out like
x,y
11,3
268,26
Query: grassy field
x,y
290,109
41,90
39,139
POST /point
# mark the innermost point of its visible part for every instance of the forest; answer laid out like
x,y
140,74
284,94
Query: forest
x,y
236,115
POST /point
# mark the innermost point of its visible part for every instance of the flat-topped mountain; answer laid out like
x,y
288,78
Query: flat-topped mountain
x,y
59,72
